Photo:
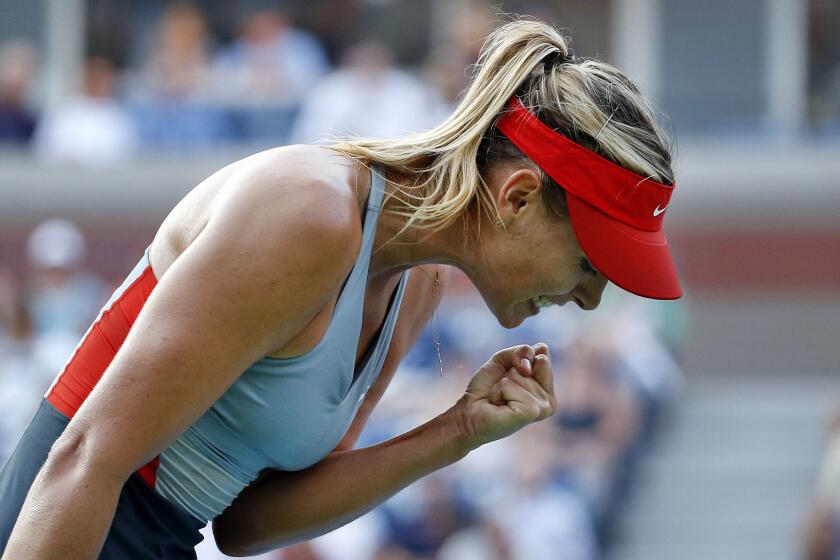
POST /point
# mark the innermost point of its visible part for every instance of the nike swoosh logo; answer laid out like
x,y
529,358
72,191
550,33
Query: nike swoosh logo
x,y
658,211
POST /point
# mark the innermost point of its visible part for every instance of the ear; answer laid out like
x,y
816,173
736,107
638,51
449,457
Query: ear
x,y
520,191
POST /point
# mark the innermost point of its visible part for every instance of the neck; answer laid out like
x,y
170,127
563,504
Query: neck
x,y
414,246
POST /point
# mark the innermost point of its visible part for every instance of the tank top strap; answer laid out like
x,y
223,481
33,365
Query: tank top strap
x,y
377,184
373,208
357,280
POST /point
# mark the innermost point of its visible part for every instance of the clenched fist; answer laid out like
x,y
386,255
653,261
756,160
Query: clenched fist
x,y
514,388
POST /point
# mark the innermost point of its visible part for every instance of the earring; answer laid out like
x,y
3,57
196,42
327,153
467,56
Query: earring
x,y
500,223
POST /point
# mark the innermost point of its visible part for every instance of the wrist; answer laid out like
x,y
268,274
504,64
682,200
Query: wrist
x,y
462,438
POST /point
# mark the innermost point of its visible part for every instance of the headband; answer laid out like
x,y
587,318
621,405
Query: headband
x,y
626,196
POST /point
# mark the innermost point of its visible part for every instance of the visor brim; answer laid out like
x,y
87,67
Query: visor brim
x,y
634,260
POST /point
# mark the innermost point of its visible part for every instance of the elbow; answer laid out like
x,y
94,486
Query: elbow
x,y
227,542
75,455
235,539
230,549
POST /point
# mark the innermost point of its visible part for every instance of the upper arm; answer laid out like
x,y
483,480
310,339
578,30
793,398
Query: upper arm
x,y
268,260
419,303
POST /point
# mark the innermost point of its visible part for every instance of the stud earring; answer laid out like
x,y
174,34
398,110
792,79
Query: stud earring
x,y
500,223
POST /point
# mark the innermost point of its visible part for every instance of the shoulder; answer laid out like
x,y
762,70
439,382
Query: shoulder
x,y
294,175
296,196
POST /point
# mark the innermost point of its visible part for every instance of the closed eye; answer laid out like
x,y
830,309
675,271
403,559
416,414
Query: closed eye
x,y
587,267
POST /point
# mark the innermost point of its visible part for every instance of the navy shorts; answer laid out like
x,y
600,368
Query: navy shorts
x,y
146,526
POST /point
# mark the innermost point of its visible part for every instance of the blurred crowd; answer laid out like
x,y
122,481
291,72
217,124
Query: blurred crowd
x,y
549,492
272,83
44,311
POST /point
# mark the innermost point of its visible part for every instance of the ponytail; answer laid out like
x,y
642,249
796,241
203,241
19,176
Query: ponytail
x,y
523,56
443,159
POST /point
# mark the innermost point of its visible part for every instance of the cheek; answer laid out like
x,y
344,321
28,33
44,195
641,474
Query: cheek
x,y
558,276
510,276
557,265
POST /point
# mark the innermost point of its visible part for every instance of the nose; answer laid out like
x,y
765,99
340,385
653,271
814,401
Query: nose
x,y
588,294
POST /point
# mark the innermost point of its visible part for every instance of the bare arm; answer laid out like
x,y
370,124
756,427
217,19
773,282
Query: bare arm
x,y
271,249
250,524
284,507
287,507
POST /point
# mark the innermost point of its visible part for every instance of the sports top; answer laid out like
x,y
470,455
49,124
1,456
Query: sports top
x,y
281,413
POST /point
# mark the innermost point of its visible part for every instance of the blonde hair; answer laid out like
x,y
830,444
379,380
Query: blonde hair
x,y
589,101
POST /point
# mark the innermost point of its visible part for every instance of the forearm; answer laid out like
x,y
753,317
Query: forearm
x,y
66,515
287,507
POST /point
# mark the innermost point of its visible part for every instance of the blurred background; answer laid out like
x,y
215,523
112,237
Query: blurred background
x,y
701,428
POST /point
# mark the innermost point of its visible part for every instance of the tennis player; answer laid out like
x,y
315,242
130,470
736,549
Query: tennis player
x,y
230,375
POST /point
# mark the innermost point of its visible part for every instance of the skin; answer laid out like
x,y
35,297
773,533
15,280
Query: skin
x,y
301,206
534,255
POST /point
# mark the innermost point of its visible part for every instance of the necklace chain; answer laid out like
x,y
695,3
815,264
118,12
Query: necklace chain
x,y
436,325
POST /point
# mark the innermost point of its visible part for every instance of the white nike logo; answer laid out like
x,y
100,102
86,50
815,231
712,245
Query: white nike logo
x,y
658,211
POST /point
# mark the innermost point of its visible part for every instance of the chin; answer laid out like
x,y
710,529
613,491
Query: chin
x,y
509,319
513,323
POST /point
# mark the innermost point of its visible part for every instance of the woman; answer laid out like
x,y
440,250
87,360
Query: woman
x,y
274,304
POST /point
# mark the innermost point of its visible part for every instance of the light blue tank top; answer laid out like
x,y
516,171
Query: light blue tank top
x,y
284,414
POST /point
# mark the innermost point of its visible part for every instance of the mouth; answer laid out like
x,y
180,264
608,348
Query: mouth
x,y
538,302
534,308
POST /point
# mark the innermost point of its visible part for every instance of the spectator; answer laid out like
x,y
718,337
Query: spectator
x,y
271,63
17,68
92,129
24,377
63,297
599,417
172,90
368,96
358,540
485,541
550,524
435,514
468,25
178,66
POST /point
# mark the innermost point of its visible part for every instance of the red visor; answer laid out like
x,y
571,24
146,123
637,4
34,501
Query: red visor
x,y
616,214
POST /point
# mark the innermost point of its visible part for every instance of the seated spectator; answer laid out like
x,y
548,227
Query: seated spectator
x,y
550,524
171,91
270,63
17,67
484,541
368,96
178,66
428,516
647,337
538,519
25,374
91,129
62,295
599,417
467,25
358,540
261,78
